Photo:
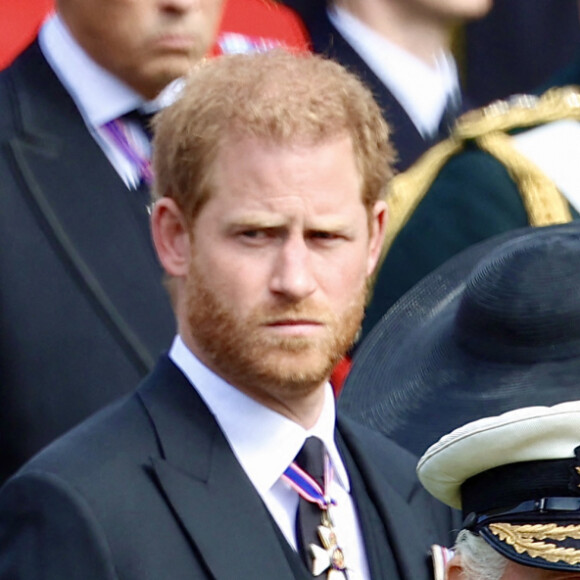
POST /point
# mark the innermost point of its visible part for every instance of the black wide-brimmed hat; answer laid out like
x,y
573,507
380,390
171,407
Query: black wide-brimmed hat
x,y
495,328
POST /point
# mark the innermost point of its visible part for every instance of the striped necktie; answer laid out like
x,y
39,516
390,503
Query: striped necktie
x,y
311,459
309,474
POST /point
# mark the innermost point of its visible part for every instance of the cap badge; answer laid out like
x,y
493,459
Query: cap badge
x,y
530,539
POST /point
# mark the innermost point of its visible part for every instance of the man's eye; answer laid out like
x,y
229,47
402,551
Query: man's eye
x,y
255,234
324,235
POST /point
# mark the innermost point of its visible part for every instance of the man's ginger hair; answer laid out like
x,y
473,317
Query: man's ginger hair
x,y
282,97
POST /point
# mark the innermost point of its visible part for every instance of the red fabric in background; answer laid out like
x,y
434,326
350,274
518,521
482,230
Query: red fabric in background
x,y
19,23
264,23
339,374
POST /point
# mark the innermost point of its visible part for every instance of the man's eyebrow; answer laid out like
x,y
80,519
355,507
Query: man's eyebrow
x,y
269,220
330,223
257,220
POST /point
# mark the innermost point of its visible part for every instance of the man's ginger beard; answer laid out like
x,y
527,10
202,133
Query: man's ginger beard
x,y
240,349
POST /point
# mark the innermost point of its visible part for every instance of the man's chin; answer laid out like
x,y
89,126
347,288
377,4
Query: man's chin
x,y
301,368
164,70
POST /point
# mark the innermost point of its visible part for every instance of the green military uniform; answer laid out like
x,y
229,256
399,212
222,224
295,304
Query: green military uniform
x,y
470,187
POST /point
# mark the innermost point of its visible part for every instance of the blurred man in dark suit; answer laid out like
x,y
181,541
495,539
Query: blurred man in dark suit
x,y
83,311
508,165
402,50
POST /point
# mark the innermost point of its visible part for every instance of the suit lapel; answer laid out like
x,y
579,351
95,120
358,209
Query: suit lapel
x,y
392,506
381,561
100,233
206,486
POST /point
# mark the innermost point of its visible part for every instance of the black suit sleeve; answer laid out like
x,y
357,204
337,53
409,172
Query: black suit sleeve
x,y
48,532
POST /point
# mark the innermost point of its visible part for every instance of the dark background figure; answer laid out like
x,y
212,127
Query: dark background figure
x,y
509,165
83,310
402,51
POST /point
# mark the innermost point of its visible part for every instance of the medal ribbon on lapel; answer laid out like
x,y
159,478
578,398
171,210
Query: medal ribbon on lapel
x,y
330,557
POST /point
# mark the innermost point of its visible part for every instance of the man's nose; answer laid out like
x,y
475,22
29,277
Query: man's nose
x,y
293,273
180,5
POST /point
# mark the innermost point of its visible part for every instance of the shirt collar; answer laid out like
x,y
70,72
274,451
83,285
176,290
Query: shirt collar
x,y
99,95
407,77
264,442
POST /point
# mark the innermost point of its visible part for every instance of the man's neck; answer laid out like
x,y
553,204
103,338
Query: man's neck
x,y
420,33
302,405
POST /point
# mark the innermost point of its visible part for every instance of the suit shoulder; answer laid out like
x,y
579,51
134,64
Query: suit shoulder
x,y
116,439
41,509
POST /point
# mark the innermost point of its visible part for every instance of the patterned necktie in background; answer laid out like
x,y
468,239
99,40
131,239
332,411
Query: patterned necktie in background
x,y
119,133
143,119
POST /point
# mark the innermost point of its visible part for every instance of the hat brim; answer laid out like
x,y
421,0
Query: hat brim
x,y
549,545
411,380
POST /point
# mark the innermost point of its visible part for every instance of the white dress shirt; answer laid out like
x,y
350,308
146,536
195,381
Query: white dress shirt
x,y
422,90
99,95
265,443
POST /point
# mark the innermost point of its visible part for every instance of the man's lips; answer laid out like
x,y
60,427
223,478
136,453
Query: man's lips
x,y
176,42
295,326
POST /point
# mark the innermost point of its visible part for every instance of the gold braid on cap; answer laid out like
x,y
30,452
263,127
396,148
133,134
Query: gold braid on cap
x,y
487,128
529,539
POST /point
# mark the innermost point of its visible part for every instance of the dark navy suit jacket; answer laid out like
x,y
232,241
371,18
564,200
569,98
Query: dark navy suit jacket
x,y
83,312
149,489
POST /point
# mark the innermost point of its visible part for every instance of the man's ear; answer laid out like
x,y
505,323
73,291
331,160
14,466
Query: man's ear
x,y
454,569
171,237
377,231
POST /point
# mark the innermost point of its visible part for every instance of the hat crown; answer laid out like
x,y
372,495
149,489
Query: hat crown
x,y
522,302
495,328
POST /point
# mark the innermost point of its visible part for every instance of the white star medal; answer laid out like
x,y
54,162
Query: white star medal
x,y
329,557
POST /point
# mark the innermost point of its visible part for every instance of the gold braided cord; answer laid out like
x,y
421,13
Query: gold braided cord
x,y
544,203
528,539
407,190
519,112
